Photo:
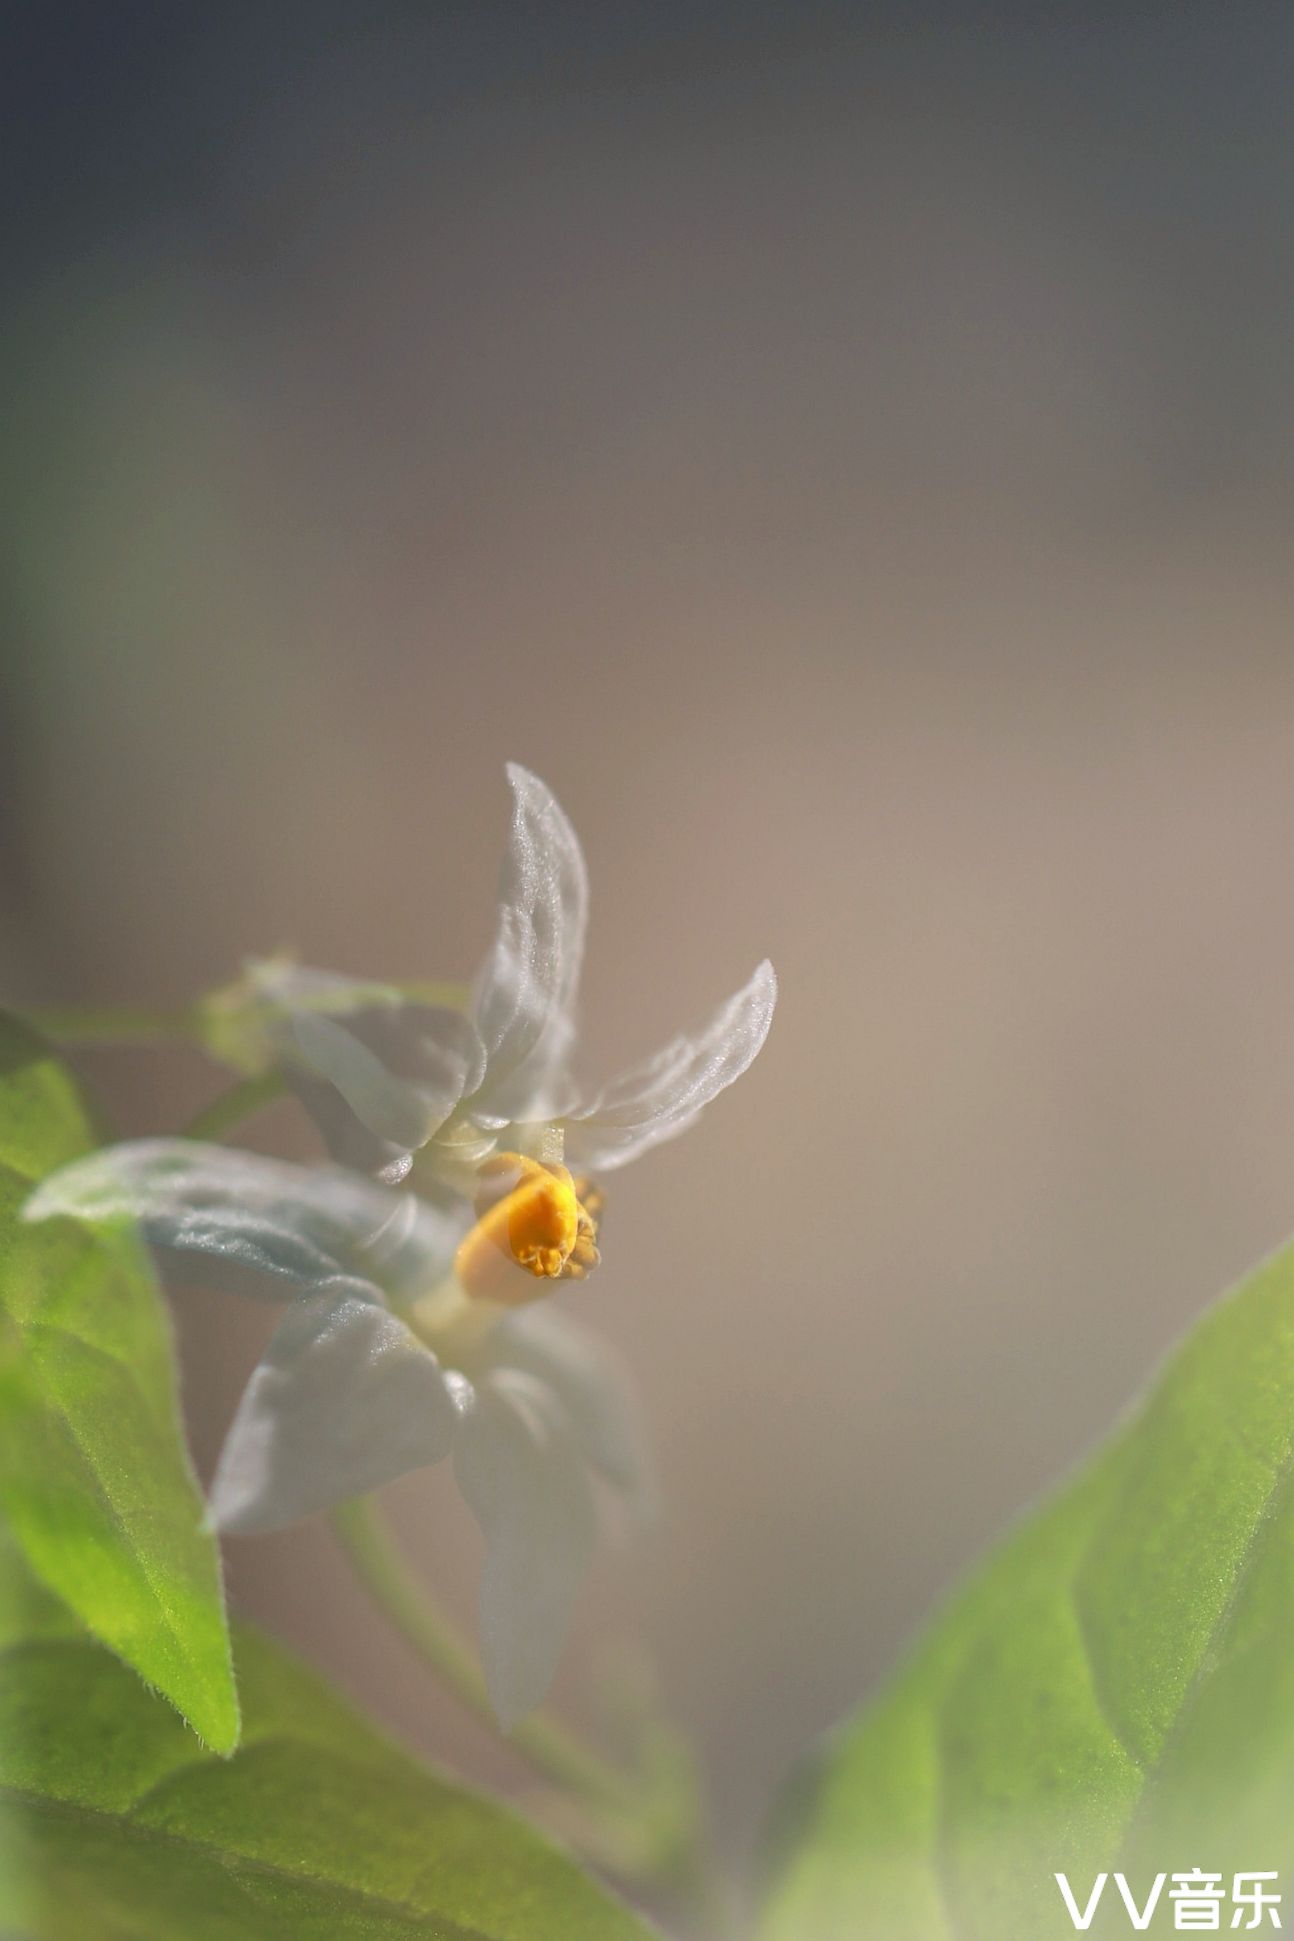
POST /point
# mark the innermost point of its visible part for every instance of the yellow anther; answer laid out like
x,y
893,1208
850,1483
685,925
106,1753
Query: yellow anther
x,y
530,1216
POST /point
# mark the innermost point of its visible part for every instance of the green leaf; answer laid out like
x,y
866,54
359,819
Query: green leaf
x,y
115,1824
1114,1690
95,1480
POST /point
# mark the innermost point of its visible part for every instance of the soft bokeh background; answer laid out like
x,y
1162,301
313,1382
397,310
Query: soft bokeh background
x,y
850,454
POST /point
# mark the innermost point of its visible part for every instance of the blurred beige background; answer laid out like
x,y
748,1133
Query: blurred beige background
x,y
856,473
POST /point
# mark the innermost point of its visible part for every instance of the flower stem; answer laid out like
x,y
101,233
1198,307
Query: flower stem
x,y
546,1745
646,1822
239,1102
190,1024
112,1023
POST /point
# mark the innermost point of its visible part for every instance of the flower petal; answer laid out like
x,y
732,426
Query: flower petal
x,y
347,1138
661,1097
303,1225
391,1107
344,1398
392,1069
593,1389
526,990
523,1476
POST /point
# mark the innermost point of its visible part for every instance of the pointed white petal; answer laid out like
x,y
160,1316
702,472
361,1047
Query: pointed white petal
x,y
344,1399
296,1224
391,1107
378,1072
594,1390
661,1097
526,991
524,1478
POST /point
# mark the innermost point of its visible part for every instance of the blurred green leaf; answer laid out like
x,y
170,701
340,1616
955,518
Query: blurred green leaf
x,y
113,1823
95,1480
1114,1690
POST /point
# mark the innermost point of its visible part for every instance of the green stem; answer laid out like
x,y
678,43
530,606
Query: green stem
x,y
185,1024
241,1101
106,1024
551,1748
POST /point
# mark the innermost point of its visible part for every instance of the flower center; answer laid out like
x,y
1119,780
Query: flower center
x,y
531,1216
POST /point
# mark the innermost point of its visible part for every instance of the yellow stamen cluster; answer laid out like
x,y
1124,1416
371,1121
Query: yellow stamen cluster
x,y
533,1216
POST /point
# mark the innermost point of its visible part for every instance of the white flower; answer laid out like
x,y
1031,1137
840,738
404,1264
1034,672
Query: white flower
x,y
412,1332
351,1391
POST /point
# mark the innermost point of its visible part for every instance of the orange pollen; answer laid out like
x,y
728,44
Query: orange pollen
x,y
529,1216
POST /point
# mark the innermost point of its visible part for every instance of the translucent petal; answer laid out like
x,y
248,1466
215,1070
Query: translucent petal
x,y
523,1475
593,1389
661,1097
344,1399
391,1107
378,1072
527,988
347,1138
295,1224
